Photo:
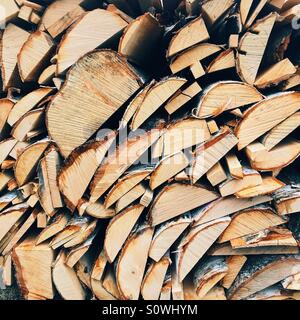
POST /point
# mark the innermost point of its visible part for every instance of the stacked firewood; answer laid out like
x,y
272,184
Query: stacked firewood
x,y
149,149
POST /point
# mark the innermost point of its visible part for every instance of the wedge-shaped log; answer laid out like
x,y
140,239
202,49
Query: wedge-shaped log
x,y
252,48
141,39
196,243
208,273
27,161
259,274
9,10
224,207
89,98
265,115
28,257
156,96
12,41
34,55
281,131
59,15
165,236
278,158
126,183
66,280
250,221
154,279
223,61
226,95
269,185
189,35
119,229
234,264
27,103
183,198
101,25
80,168
120,160
168,168
132,263
193,55
212,10
209,153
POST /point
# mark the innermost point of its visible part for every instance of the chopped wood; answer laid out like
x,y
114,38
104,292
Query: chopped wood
x,y
188,36
154,279
68,106
234,166
28,257
249,53
183,197
225,60
213,10
208,154
69,51
156,96
140,39
114,239
226,96
234,264
250,221
275,74
132,263
216,174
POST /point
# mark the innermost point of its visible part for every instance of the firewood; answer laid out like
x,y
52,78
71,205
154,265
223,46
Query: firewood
x,y
66,280
47,75
165,236
80,168
266,238
226,206
41,220
257,276
34,55
195,244
132,262
147,198
287,105
27,103
28,257
67,106
93,21
193,55
60,15
125,184
27,161
255,13
277,73
130,197
110,285
182,135
275,292
226,96
182,98
226,250
250,221
208,154
234,264
250,55
269,185
154,279
6,106
213,10
183,197
216,174
189,35
10,11
225,60
208,274
281,131
167,168
141,39
12,41
166,289
234,166
287,200
119,161
156,96
114,240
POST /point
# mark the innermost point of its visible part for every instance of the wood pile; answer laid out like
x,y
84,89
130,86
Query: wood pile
x,y
149,149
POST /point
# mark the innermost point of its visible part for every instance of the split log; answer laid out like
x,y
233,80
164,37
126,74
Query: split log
x,y
102,98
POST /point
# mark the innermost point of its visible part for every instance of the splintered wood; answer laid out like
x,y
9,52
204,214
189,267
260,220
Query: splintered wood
x,y
150,149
